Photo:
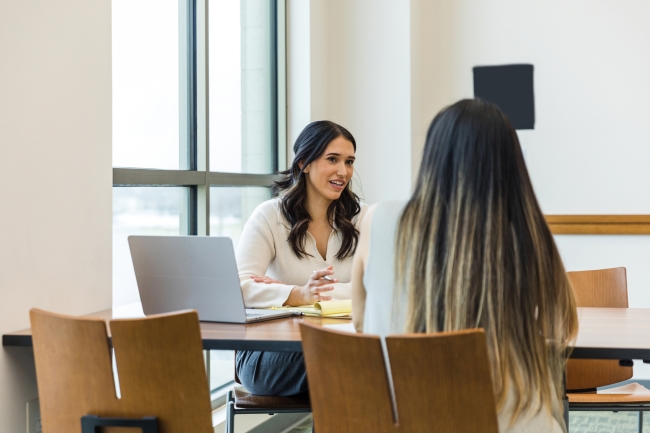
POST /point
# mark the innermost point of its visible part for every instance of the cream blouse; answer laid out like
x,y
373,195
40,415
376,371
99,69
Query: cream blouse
x,y
263,250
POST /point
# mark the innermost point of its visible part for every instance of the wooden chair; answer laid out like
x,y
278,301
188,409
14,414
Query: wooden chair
x,y
457,363
160,365
240,401
436,379
603,288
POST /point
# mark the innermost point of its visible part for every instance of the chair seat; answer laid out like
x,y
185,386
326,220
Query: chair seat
x,y
605,399
246,400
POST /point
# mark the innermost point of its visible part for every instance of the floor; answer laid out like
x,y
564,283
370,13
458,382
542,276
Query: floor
x,y
607,422
304,427
579,422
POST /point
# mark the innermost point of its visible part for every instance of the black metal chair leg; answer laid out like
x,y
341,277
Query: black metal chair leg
x,y
230,413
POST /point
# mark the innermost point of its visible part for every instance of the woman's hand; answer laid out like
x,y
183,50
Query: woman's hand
x,y
265,279
314,290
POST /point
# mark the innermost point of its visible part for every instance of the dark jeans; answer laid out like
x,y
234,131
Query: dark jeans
x,y
272,373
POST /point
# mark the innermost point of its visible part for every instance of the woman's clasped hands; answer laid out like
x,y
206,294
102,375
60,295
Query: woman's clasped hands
x,y
314,291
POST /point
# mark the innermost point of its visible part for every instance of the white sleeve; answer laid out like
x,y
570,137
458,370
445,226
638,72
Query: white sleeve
x,y
256,250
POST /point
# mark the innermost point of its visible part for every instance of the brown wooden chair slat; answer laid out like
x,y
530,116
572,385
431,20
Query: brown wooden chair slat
x,y
439,378
351,368
246,400
593,399
159,361
436,378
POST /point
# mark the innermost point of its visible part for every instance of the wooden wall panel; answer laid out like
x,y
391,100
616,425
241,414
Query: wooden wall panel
x,y
599,224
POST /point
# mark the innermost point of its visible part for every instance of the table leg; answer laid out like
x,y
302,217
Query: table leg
x,y
565,402
566,413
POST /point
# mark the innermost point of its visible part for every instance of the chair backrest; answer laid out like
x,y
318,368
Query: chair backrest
x,y
602,288
159,362
348,382
443,382
73,370
436,378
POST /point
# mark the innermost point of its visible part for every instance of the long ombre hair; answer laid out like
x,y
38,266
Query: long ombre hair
x,y
309,146
473,250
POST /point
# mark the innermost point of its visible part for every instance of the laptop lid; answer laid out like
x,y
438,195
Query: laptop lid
x,y
188,272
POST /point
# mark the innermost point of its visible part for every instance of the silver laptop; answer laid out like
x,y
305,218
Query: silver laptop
x,y
192,272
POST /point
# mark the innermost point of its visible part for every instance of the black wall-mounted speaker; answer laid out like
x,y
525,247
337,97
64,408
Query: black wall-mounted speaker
x,y
511,88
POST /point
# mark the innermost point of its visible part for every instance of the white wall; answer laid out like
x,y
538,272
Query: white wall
x,y
588,153
589,149
358,55
430,52
55,174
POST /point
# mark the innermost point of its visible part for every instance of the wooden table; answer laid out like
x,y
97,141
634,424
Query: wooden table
x,y
279,335
613,333
605,333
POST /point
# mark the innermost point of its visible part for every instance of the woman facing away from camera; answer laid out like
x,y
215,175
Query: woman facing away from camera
x,y
290,243
471,249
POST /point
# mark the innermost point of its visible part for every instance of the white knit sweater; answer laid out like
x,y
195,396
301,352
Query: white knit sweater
x,y
263,250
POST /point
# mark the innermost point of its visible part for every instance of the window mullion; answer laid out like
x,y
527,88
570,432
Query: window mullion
x,y
188,139
280,80
202,117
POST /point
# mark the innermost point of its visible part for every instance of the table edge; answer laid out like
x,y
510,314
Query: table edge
x,y
9,340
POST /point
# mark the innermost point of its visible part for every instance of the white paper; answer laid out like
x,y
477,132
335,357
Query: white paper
x,y
629,389
344,327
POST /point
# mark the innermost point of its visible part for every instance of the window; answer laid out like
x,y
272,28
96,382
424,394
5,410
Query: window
x,y
198,115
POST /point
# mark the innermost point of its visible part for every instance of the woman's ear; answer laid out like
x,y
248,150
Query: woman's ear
x,y
306,170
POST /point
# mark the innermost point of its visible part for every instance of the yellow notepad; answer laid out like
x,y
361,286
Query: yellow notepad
x,y
334,308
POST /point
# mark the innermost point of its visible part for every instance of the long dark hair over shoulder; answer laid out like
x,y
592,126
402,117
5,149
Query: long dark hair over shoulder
x,y
473,250
310,144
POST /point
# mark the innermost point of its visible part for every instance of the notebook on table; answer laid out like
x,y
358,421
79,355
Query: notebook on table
x,y
335,308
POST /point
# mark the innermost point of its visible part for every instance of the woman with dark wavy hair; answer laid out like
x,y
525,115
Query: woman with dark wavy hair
x,y
290,243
